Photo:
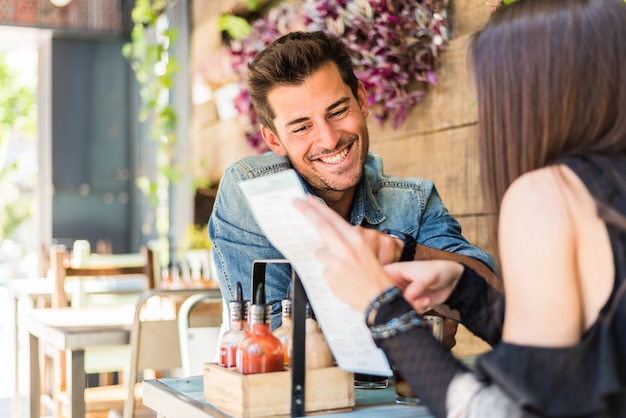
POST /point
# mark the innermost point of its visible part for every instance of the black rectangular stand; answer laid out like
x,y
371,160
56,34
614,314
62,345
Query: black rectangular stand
x,y
298,364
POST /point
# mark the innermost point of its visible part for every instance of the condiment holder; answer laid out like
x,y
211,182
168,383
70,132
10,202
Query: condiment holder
x,y
293,392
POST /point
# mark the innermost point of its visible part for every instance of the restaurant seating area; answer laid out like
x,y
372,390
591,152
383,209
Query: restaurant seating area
x,y
84,350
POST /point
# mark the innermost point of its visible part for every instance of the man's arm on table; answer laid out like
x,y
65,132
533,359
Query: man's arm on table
x,y
423,252
440,237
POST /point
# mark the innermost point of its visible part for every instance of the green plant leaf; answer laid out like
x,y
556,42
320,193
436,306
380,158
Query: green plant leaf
x,y
236,27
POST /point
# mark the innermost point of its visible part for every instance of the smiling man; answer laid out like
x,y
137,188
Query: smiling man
x,y
313,111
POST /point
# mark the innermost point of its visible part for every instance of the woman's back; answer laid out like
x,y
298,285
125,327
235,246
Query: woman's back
x,y
571,334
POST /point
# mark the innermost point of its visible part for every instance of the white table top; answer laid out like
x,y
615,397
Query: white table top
x,y
119,260
184,397
37,287
77,329
30,287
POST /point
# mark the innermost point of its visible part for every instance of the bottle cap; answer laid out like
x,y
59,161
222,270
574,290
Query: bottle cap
x,y
309,312
286,305
260,312
236,307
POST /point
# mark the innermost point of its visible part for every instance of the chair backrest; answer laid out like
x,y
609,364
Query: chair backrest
x,y
120,266
154,339
199,344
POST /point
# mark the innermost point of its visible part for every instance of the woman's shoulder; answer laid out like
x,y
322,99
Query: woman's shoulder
x,y
541,193
537,249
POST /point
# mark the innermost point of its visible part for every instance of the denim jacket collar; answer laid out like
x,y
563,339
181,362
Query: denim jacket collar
x,y
365,205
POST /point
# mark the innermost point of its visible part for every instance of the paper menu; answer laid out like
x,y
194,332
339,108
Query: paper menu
x,y
271,201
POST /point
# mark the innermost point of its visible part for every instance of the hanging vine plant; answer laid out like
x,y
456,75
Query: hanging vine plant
x,y
393,43
148,53
18,111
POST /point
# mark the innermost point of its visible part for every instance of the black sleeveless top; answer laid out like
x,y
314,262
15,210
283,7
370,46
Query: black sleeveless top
x,y
584,380
589,378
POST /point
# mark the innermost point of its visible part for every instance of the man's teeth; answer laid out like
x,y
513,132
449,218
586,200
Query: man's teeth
x,y
336,158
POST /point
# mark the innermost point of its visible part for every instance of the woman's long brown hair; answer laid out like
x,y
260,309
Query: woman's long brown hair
x,y
551,83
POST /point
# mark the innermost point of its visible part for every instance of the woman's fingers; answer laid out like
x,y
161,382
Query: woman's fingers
x,y
351,268
322,217
337,234
426,283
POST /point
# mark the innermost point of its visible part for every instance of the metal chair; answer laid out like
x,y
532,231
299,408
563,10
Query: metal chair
x,y
155,343
198,344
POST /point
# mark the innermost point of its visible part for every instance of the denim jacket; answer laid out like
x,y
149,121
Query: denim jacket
x,y
410,205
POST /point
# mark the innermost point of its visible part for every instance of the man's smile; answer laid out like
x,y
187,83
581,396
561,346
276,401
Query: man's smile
x,y
344,148
337,158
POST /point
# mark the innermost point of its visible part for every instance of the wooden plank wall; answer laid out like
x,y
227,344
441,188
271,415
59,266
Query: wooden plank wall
x,y
439,139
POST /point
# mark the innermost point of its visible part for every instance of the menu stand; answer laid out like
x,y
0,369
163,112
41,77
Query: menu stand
x,y
298,365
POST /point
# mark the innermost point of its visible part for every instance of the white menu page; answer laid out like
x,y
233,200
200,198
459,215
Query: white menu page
x,y
271,201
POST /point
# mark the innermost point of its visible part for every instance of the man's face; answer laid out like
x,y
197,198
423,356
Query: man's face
x,y
320,127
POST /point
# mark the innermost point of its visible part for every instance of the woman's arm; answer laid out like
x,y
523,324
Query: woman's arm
x,y
445,385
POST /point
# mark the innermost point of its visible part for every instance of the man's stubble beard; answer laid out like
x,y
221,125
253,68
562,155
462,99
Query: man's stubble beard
x,y
322,185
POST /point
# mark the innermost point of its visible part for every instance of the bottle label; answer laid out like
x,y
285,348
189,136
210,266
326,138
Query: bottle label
x,y
251,364
228,356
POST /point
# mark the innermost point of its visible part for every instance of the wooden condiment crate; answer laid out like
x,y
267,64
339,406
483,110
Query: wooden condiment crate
x,y
269,394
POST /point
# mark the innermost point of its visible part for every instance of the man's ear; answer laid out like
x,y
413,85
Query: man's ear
x,y
272,141
362,97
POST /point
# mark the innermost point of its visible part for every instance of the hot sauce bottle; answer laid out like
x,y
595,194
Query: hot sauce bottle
x,y
285,331
260,351
238,331
317,351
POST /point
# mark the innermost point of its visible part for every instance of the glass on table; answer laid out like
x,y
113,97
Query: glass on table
x,y
404,394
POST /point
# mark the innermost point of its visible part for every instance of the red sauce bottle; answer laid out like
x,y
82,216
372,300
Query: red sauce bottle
x,y
237,333
260,351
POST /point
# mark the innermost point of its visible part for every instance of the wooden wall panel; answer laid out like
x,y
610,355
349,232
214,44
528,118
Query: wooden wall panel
x,y
449,158
475,230
467,16
216,147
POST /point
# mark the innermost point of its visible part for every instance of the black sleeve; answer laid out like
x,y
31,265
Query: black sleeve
x,y
427,365
480,306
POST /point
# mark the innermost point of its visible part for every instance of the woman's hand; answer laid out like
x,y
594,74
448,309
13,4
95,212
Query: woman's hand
x,y
351,267
425,283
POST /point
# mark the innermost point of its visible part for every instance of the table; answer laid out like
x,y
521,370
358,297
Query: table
x,y
37,292
74,331
34,292
184,397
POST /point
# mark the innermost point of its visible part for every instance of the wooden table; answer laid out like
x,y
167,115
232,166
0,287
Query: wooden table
x,y
184,397
36,293
73,331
